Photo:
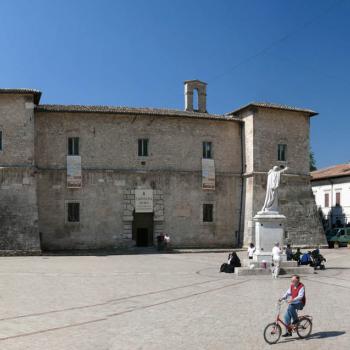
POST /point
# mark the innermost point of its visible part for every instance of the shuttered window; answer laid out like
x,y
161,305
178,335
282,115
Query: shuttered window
x,y
337,199
73,212
326,200
208,213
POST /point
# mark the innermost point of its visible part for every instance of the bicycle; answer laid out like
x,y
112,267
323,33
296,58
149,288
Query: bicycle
x,y
273,331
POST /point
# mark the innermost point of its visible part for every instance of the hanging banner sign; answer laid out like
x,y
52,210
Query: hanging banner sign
x,y
143,201
74,178
208,174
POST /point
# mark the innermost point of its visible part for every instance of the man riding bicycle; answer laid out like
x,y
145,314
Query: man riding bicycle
x,y
297,300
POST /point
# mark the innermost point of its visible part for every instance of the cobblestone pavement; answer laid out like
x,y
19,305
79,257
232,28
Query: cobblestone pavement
x,y
160,301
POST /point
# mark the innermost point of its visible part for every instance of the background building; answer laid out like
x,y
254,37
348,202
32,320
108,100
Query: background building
x,y
331,188
88,177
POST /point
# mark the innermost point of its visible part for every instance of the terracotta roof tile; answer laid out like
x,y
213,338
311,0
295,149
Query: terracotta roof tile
x,y
332,171
131,110
36,93
273,106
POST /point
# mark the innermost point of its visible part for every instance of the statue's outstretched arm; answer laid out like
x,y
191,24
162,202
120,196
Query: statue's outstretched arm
x,y
284,170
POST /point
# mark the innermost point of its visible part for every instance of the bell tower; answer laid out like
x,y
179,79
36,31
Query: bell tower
x,y
200,88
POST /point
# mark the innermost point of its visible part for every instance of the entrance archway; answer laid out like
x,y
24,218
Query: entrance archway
x,y
142,229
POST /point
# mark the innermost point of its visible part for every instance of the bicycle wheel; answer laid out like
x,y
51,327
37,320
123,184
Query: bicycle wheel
x,y
272,333
304,327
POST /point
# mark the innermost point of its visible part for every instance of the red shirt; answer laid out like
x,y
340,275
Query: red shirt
x,y
295,292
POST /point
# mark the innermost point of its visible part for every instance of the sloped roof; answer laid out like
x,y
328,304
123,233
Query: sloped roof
x,y
130,110
330,172
36,93
272,106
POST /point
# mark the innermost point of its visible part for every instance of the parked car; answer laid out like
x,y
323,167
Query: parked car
x,y
331,232
342,237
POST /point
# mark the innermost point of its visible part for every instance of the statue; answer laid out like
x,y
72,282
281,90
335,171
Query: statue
x,y
271,199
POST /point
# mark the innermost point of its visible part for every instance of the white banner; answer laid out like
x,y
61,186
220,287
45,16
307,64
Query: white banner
x,y
208,174
74,172
143,201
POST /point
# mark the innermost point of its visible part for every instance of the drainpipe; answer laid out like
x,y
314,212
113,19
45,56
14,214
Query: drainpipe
x,y
331,211
240,241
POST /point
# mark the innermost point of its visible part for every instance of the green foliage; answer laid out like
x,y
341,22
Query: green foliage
x,y
312,161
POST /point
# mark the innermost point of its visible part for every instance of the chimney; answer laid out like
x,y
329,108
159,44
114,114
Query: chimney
x,y
199,87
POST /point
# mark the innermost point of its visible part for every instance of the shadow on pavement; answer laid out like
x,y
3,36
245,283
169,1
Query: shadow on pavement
x,y
329,334
318,335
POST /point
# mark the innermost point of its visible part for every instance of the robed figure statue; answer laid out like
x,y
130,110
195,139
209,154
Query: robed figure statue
x,y
273,182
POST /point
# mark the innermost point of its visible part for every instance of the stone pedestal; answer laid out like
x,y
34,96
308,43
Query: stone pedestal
x,y
268,231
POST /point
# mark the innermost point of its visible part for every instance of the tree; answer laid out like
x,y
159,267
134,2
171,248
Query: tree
x,y
312,161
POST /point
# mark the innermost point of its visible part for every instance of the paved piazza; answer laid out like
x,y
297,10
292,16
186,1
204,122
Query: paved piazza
x,y
160,301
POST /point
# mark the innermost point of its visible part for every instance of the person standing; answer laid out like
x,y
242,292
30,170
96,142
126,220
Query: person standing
x,y
167,241
276,259
251,251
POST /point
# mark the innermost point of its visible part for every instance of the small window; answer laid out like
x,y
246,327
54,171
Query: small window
x,y
337,199
207,150
0,140
73,146
282,152
73,214
326,200
143,147
208,213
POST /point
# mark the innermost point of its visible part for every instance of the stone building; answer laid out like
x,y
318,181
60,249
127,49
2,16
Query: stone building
x,y
331,188
90,177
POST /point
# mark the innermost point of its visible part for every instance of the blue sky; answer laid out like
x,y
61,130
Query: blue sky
x,y
138,53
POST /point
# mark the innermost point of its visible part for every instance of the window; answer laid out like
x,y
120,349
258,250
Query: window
x,y
208,213
207,150
73,146
0,140
337,199
326,200
73,212
143,148
282,152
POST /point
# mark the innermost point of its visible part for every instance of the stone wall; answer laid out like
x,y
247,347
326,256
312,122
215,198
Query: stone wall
x,y
264,129
18,210
18,197
110,141
107,204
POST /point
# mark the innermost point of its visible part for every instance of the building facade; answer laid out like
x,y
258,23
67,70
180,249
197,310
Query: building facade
x,y
97,177
331,188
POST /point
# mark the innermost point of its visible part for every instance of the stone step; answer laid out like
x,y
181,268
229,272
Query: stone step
x,y
247,263
298,270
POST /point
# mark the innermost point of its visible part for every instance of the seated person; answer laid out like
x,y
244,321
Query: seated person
x,y
306,259
232,262
289,252
297,255
318,259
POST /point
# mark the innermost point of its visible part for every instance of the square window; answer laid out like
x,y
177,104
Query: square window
x,y
143,147
207,150
73,146
208,212
282,152
73,212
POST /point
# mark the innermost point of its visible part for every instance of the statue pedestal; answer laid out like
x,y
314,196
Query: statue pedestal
x,y
268,231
